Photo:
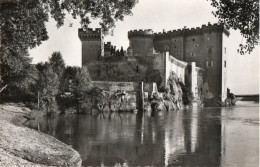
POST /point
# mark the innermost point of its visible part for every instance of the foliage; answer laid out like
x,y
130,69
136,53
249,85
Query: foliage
x,y
23,21
81,85
23,26
67,78
48,87
107,11
18,74
50,82
153,76
242,15
57,63
67,84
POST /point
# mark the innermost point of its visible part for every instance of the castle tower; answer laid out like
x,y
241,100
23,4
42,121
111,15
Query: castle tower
x,y
92,44
207,46
107,49
140,41
172,41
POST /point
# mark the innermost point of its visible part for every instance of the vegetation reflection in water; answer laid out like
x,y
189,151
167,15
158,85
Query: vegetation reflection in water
x,y
210,136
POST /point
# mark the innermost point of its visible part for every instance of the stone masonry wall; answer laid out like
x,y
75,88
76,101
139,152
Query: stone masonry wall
x,y
172,65
115,86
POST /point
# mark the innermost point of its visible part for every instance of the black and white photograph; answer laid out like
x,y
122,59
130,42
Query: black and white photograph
x,y
129,83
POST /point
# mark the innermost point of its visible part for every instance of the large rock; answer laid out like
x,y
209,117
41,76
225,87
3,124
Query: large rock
x,y
110,101
21,146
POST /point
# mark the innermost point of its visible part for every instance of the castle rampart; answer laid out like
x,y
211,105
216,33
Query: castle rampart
x,y
153,57
89,33
140,33
92,44
140,41
192,31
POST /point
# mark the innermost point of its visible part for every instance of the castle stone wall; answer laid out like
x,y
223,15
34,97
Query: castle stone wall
x,y
140,41
116,86
129,69
204,49
92,45
225,52
172,65
90,51
200,80
205,45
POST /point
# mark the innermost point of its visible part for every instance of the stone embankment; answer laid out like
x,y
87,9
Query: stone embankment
x,y
22,146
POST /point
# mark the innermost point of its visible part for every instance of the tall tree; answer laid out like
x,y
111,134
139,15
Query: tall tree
x,y
58,66
17,74
82,84
57,63
68,77
242,15
48,87
23,23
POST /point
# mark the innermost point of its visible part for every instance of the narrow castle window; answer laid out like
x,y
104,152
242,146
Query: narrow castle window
x,y
225,50
193,39
175,46
209,63
177,53
225,64
137,69
209,51
192,54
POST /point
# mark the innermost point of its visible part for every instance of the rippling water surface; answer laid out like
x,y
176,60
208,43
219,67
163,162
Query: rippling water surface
x,y
198,137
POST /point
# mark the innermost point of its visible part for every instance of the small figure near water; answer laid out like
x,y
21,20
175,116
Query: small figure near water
x,y
231,99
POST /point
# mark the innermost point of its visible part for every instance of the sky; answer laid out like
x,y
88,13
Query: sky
x,y
243,70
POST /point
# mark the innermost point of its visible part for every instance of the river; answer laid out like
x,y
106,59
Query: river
x,y
194,137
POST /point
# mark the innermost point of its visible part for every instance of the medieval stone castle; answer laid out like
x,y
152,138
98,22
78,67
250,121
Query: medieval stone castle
x,y
197,56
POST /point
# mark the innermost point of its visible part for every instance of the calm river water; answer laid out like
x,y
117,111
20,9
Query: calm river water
x,y
198,137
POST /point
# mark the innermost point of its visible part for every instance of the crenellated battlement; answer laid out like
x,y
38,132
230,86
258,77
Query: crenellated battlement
x,y
140,33
190,31
198,56
107,45
89,33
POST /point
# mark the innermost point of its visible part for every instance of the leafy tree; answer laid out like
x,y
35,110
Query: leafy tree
x,y
48,88
57,63
58,66
82,84
23,21
17,74
67,78
121,51
242,15
66,101
23,24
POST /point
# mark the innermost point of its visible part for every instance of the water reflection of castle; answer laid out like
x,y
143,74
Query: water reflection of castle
x,y
197,140
174,138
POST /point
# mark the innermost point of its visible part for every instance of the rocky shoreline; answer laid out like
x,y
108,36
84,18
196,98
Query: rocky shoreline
x,y
22,146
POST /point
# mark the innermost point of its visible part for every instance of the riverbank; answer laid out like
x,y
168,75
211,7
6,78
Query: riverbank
x,y
21,146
